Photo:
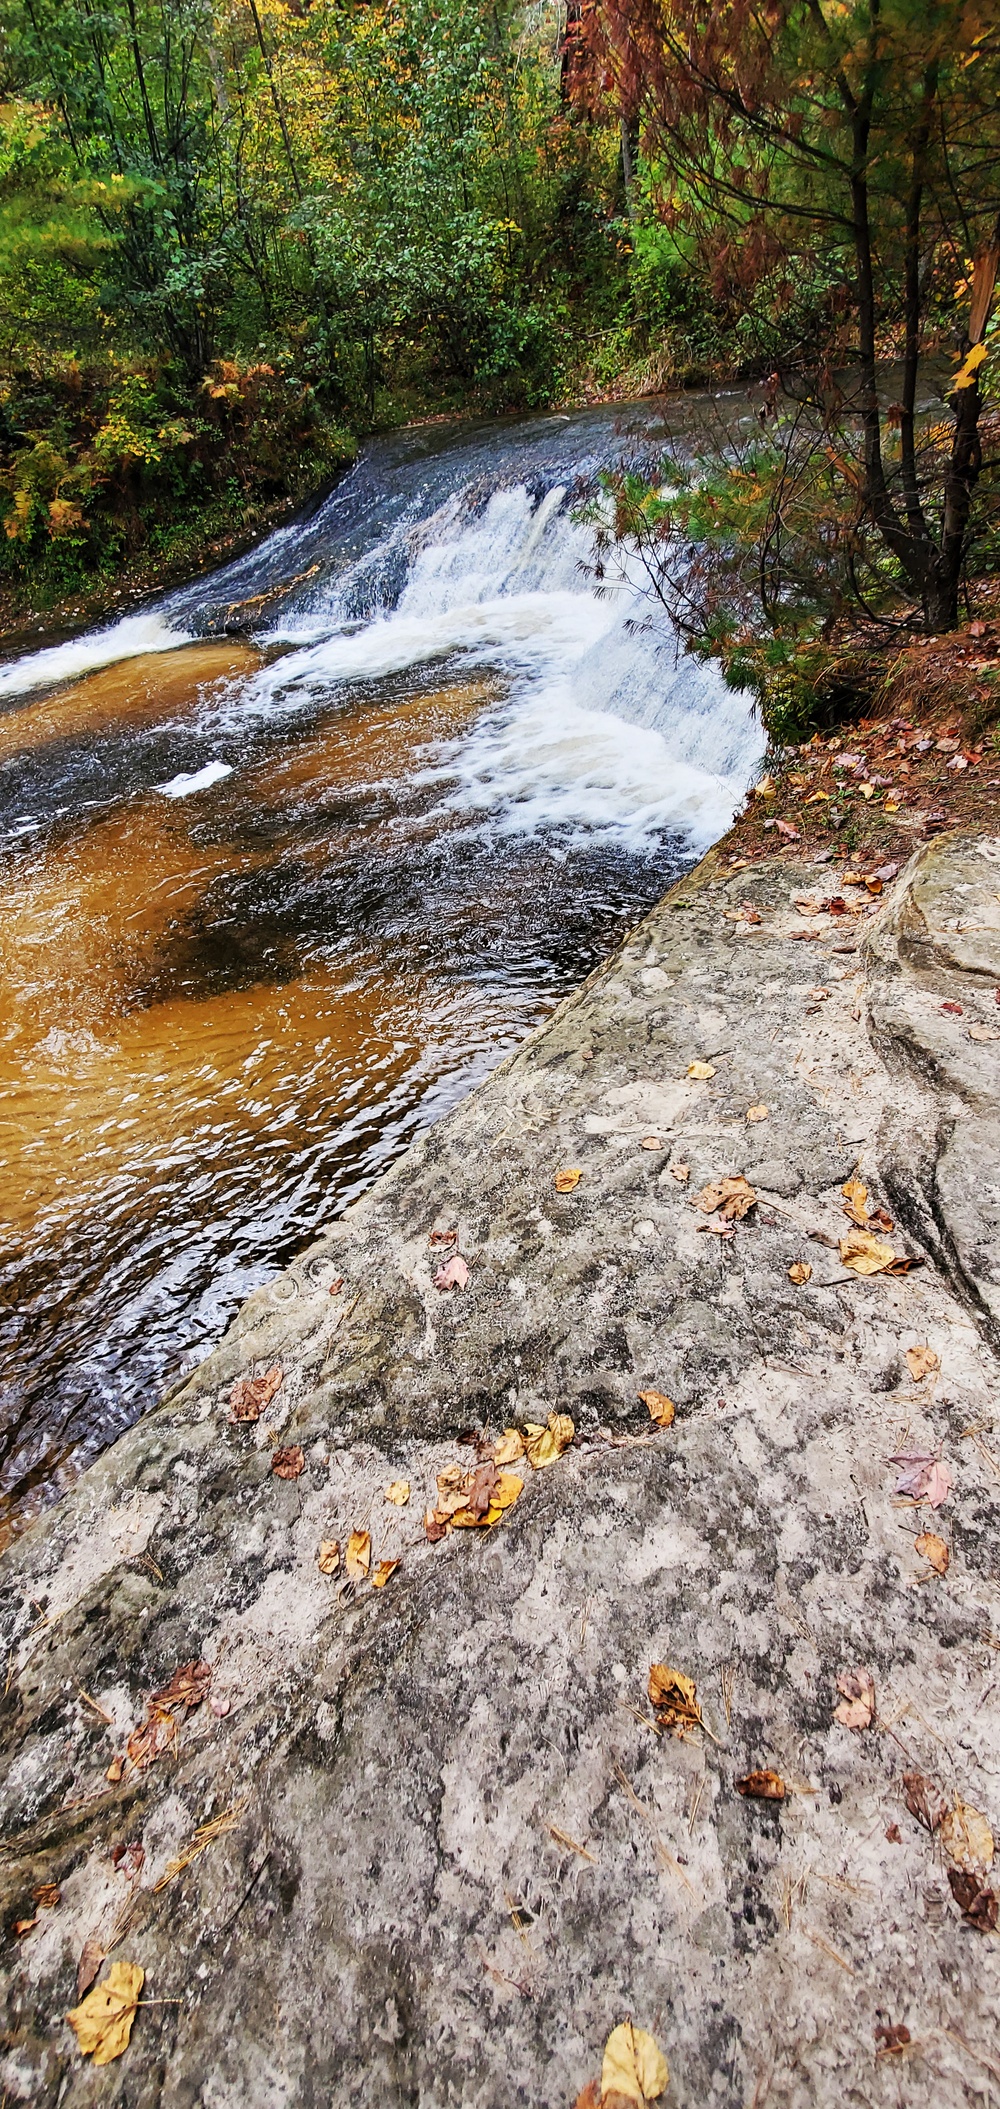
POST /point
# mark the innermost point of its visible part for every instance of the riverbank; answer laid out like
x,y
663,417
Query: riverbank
x,y
449,1845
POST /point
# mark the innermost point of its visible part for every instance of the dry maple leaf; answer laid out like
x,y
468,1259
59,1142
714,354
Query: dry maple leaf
x,y
680,1172
509,1447
924,1800
359,1555
925,1478
328,1557
544,1445
799,1272
453,1275
566,1180
287,1464
660,1409
701,1070
865,1254
634,2066
187,1687
762,1786
250,1395
967,1838
920,1361
103,2020
857,1707
934,1550
761,1112
976,1901
91,1957
398,1493
673,1697
382,1572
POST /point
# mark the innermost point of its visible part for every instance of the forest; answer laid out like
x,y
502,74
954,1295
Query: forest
x,y
236,236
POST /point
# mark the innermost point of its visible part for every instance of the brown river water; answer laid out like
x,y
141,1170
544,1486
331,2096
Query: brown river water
x,y
272,899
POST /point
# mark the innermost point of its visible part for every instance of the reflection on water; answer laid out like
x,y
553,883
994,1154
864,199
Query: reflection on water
x,y
269,907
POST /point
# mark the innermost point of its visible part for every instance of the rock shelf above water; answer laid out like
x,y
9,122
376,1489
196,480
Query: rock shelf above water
x,y
399,1911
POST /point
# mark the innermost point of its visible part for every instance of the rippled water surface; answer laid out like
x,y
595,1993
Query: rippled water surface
x,y
288,862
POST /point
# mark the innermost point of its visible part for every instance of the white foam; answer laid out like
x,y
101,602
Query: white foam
x,y
84,655
182,786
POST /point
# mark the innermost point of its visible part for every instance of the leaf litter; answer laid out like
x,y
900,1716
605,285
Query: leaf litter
x,y
857,1707
661,1410
634,2068
103,2020
250,1395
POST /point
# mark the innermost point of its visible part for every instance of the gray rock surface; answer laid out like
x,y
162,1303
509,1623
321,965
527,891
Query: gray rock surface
x,y
396,1914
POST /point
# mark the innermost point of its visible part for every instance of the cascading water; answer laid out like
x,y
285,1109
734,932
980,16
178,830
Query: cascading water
x,y
290,861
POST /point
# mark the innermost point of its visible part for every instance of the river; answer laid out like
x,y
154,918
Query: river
x,y
290,859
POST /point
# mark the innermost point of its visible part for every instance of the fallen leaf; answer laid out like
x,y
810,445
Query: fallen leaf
x,y
328,1557
23,1926
758,1113
129,1860
925,1478
443,1237
976,1901
865,1254
475,1494
115,1770
967,1838
673,1697
893,2035
894,1834
566,1180
920,1361
509,1448
934,1550
799,1272
150,1738
434,1528
398,1493
453,1275
382,1572
983,1032
187,1687
359,1555
651,1142
680,1172
287,1464
856,1198
857,1707
784,827
952,1010
250,1395
660,1408
762,1786
590,2097
91,1957
47,1895
634,2065
923,1799
103,2020
702,1070
734,1197
544,1445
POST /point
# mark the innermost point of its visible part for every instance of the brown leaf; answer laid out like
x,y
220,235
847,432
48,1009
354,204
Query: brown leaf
x,y
509,1448
893,2035
920,1361
856,1202
634,2066
287,1464
443,1237
680,1172
453,1275
328,1556
382,1572
23,1926
660,1409
932,1548
148,1740
976,1901
733,1196
398,1493
967,1838
565,1181
799,1272
103,2020
590,2098
762,1786
128,1860
250,1395
857,1707
115,1770
91,1957
435,1527
47,1895
651,1142
187,1687
923,1799
865,1254
359,1555
673,1697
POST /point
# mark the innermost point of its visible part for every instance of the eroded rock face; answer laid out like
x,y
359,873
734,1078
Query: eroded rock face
x,y
400,1912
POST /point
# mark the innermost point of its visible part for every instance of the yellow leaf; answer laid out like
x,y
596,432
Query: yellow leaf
x,y
544,1445
507,1489
398,1493
673,1695
856,1197
758,1113
359,1554
920,1361
382,1572
967,1838
968,370
103,2021
702,1070
933,1549
634,2065
661,1409
509,1448
565,1181
329,1556
799,1272
864,1254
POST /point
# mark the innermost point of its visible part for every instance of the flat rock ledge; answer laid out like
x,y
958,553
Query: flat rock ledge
x,y
457,1850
